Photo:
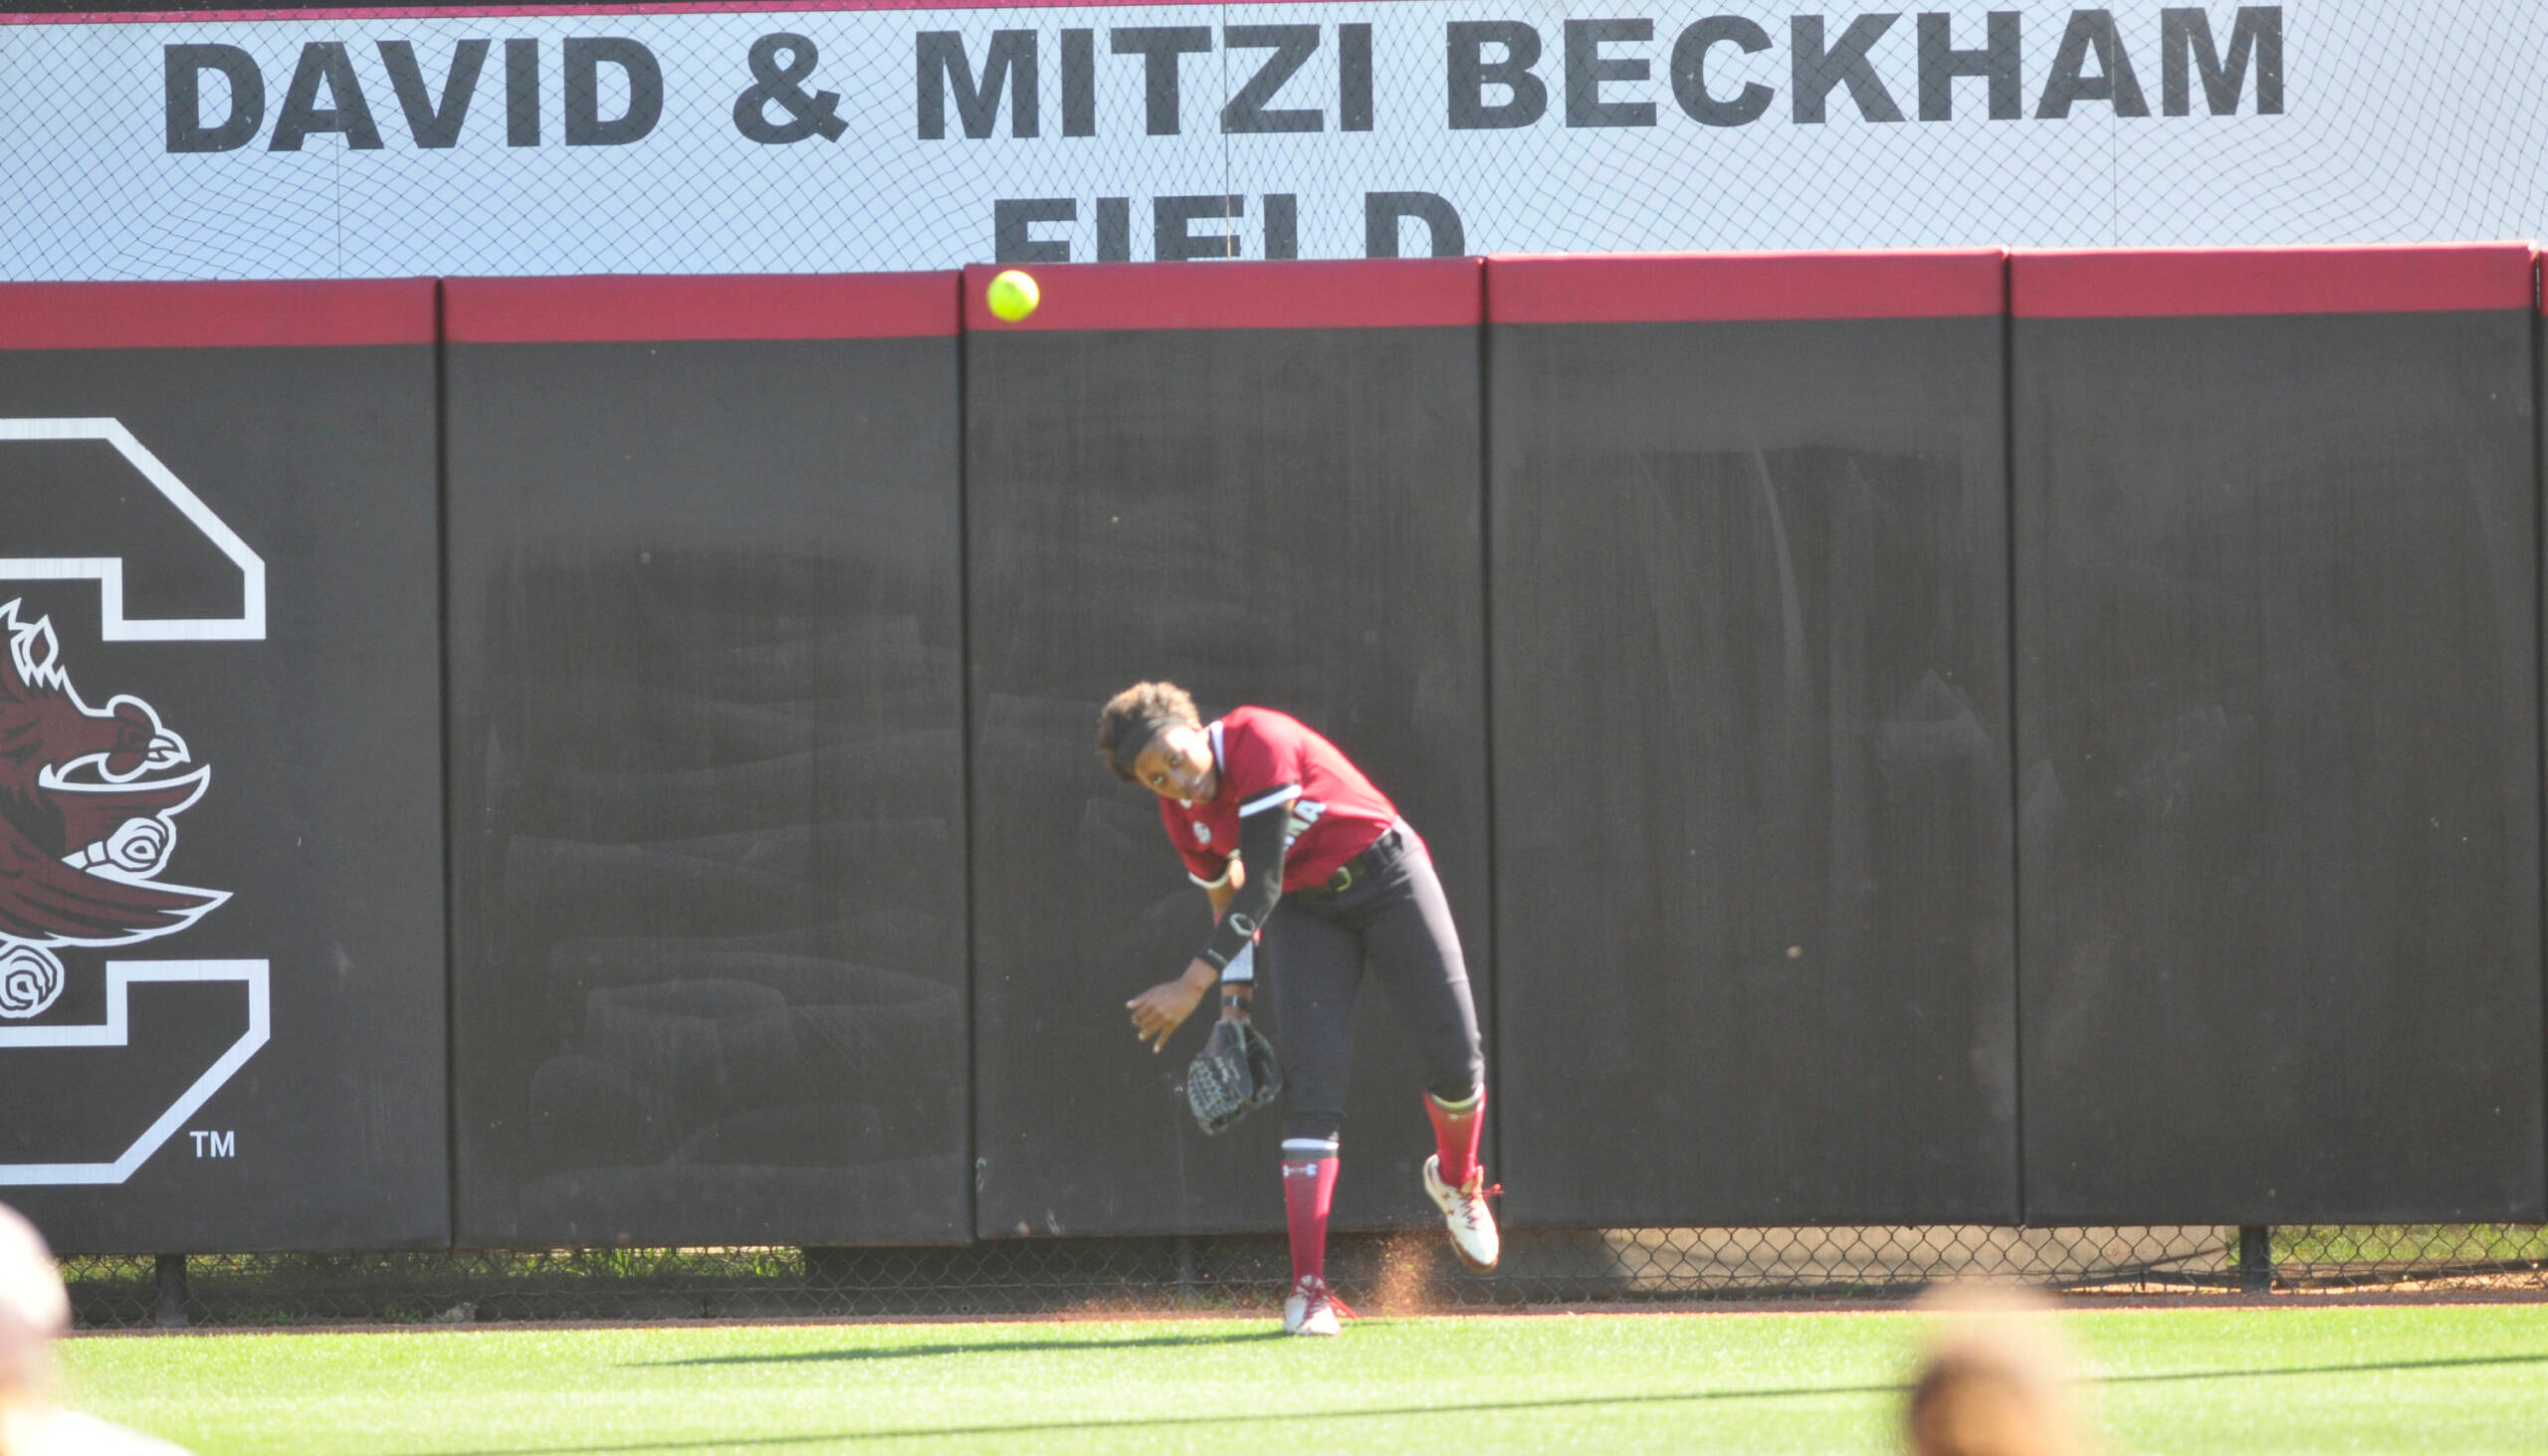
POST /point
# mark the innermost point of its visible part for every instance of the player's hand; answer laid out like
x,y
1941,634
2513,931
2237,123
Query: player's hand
x,y
1158,1012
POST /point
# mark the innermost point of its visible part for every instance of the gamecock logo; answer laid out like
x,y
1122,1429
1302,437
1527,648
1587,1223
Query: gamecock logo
x,y
88,819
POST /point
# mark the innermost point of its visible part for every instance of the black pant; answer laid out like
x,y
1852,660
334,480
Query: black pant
x,y
1313,952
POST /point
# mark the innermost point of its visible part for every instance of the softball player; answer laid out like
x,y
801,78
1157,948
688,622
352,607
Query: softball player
x,y
1303,856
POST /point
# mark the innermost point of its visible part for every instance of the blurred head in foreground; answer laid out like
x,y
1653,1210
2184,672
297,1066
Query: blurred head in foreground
x,y
1996,1381
33,1310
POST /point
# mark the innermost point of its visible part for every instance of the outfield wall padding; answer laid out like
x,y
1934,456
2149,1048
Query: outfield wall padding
x,y
1261,481
1748,584
708,853
196,429
2277,584
1944,738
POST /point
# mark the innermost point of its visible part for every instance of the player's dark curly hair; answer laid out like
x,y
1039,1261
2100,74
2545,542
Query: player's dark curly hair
x,y
1134,717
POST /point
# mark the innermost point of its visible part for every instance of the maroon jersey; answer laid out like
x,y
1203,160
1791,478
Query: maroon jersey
x,y
1270,760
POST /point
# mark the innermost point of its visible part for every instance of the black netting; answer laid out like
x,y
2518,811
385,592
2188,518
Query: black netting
x,y
605,141
1405,1272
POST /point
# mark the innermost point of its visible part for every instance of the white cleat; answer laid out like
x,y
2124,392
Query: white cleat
x,y
1464,1212
1310,1309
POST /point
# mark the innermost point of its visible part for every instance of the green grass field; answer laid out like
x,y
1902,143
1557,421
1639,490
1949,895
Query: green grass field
x,y
2465,1379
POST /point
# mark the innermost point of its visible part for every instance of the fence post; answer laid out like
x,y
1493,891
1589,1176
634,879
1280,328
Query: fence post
x,y
2255,1258
171,1270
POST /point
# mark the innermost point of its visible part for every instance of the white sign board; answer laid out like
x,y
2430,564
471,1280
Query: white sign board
x,y
744,138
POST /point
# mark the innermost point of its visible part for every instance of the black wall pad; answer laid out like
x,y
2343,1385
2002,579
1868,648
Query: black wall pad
x,y
252,467
1749,660
707,790
1260,481
2278,742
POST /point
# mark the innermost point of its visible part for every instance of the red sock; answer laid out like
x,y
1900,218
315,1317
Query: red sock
x,y
1455,1130
1309,1187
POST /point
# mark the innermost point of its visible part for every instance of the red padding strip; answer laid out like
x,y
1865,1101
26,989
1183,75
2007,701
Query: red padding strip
x,y
1381,294
2164,282
662,309
142,316
1703,288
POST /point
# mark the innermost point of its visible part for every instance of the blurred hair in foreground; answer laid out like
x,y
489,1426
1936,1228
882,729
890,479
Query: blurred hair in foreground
x,y
33,1310
1997,1379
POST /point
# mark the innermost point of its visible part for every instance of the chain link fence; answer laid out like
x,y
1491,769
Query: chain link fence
x,y
1396,1272
763,137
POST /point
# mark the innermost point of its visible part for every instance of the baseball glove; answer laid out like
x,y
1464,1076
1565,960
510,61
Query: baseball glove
x,y
1234,1075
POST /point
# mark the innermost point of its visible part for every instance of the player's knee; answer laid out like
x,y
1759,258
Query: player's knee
x,y
1459,1088
1456,1068
1313,1127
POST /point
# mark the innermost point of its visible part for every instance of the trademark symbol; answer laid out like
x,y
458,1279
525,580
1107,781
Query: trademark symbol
x,y
215,1145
